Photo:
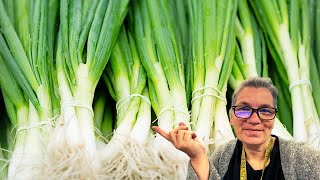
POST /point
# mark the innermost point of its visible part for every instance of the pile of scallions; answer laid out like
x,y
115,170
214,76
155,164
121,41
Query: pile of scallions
x,y
82,82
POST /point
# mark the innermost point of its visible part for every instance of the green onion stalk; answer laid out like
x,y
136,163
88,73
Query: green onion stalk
x,y
315,15
183,32
10,9
17,108
87,34
213,43
5,139
26,134
251,56
3,166
30,63
284,104
287,29
315,55
10,117
104,113
161,55
3,158
126,80
103,108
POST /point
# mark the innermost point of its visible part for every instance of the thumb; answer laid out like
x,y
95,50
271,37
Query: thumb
x,y
182,124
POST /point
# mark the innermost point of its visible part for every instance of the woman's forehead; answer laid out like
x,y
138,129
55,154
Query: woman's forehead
x,y
254,96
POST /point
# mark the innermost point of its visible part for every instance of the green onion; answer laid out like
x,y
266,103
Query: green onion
x,y
17,107
284,102
31,72
287,26
126,80
87,34
83,75
315,56
251,56
161,55
213,42
4,140
104,113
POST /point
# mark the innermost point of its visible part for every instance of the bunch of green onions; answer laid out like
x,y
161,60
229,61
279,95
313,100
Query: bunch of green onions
x,y
27,50
251,56
212,26
288,40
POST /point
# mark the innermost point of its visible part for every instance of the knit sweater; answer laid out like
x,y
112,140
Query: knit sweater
x,y
298,161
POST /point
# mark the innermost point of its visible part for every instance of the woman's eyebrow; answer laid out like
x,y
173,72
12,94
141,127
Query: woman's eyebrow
x,y
265,105
243,103
248,104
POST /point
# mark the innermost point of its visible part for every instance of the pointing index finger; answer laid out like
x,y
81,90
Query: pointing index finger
x,y
161,132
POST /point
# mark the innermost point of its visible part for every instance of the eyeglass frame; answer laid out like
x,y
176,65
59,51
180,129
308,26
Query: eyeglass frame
x,y
255,111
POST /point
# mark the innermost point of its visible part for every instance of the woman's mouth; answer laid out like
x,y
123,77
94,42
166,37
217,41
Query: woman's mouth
x,y
253,131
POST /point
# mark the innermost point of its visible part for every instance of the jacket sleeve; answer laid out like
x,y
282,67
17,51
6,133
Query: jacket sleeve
x,y
213,173
307,162
219,162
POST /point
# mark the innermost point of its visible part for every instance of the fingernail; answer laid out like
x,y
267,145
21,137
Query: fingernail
x,y
194,135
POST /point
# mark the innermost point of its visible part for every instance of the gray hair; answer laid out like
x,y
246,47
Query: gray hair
x,y
257,82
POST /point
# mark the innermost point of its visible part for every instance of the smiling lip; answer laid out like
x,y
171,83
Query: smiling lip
x,y
253,130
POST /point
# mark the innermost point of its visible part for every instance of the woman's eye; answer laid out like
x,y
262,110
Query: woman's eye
x,y
266,110
245,108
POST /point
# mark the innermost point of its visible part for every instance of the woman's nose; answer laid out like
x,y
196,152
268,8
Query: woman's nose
x,y
254,119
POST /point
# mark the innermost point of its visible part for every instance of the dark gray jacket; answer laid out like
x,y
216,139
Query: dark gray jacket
x,y
298,161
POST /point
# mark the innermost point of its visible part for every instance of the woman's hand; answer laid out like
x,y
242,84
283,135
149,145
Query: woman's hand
x,y
183,139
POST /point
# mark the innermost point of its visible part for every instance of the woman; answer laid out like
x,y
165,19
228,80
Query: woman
x,y
255,154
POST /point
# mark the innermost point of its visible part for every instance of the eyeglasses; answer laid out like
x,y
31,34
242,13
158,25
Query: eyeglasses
x,y
245,112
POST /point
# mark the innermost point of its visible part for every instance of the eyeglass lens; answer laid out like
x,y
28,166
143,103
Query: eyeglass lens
x,y
246,112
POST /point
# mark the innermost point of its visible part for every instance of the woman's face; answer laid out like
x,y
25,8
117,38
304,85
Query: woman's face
x,y
253,130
